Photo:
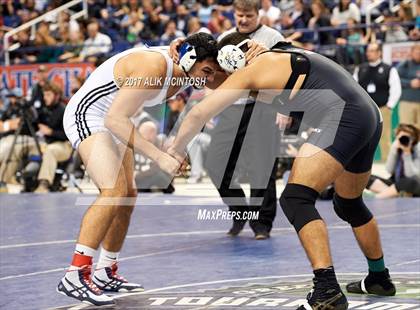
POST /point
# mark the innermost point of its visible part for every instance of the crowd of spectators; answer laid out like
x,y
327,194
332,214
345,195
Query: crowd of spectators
x,y
115,25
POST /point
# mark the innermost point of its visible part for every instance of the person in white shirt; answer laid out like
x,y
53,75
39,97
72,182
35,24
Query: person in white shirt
x,y
96,45
343,11
269,10
383,84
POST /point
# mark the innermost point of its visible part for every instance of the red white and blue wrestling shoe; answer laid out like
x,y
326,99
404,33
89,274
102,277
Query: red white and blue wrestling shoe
x,y
108,280
78,284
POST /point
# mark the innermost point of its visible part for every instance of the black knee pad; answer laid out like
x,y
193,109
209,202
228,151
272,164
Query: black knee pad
x,y
298,204
353,211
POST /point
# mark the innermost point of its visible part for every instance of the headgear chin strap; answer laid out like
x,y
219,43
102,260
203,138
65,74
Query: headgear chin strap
x,y
187,57
231,57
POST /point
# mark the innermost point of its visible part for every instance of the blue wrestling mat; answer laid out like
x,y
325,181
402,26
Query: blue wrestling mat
x,y
186,263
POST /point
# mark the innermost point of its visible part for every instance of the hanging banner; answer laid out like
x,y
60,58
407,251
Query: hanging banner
x,y
24,76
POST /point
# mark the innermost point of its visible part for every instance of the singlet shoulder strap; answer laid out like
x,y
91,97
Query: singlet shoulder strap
x,y
299,61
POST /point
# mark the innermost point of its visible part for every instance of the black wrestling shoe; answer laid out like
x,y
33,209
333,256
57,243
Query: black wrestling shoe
x,y
236,228
260,230
325,296
262,235
377,283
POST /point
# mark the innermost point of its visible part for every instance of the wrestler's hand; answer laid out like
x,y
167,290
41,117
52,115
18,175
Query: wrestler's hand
x,y
173,49
254,49
180,157
168,164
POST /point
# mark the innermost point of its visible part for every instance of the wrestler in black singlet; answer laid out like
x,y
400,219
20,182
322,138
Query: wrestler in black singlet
x,y
346,121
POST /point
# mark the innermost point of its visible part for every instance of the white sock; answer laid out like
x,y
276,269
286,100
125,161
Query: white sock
x,y
82,250
107,258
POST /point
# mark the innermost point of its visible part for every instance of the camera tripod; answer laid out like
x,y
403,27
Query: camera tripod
x,y
25,119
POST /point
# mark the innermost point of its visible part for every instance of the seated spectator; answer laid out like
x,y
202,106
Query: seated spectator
x,y
62,33
132,25
270,11
25,52
227,25
393,32
72,48
113,11
9,10
167,11
216,22
344,11
111,17
204,11
24,145
182,17
171,33
132,6
403,164
148,175
57,148
405,15
96,46
409,72
298,19
320,18
194,26
36,92
95,7
352,41
25,15
64,18
153,26
47,44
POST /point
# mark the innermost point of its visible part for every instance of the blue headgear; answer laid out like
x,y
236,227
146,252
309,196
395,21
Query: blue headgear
x,y
187,57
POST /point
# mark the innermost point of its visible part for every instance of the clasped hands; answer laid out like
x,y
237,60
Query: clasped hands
x,y
173,162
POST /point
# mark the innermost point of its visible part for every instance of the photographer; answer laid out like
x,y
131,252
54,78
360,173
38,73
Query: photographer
x,y
50,126
403,163
25,144
36,93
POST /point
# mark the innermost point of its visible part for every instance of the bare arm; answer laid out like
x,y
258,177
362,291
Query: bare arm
x,y
125,104
238,85
127,101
